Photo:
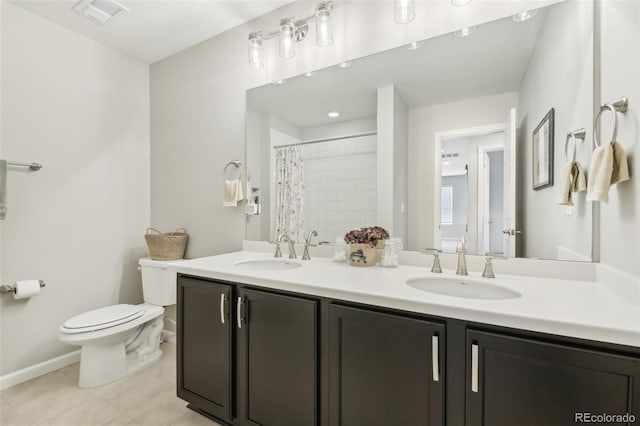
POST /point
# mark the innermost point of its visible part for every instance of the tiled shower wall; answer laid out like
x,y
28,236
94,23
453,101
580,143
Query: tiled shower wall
x,y
340,178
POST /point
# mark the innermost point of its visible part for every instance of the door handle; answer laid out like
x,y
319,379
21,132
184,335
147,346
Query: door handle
x,y
222,316
239,311
511,231
435,359
474,368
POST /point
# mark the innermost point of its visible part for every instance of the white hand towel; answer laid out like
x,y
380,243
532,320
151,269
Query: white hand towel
x,y
3,189
232,193
608,166
572,179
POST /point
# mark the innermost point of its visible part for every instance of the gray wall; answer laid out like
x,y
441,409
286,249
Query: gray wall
x,y
559,76
81,109
620,70
496,201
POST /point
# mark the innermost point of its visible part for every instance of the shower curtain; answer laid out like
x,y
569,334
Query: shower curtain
x,y
289,193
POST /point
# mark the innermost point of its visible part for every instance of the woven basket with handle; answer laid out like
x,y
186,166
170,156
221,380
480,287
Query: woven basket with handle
x,y
169,246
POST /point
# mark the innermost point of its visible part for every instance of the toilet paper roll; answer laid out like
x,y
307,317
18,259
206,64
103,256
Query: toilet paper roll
x,y
26,289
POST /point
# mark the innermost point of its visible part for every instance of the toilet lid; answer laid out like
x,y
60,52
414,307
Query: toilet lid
x,y
99,319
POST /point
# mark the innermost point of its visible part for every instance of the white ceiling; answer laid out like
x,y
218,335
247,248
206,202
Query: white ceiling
x,y
155,29
446,69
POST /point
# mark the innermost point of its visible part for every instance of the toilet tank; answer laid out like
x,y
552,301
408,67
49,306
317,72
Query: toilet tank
x,y
158,284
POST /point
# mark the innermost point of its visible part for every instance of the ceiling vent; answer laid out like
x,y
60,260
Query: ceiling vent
x,y
99,11
450,155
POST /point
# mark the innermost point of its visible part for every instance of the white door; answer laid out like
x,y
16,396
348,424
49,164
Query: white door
x,y
485,203
510,232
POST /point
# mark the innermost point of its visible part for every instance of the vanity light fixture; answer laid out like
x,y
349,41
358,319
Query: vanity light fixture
x,y
525,15
404,11
291,31
333,114
415,45
465,32
345,64
460,3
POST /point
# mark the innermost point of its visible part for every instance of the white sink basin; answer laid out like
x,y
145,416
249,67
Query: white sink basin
x,y
463,287
268,265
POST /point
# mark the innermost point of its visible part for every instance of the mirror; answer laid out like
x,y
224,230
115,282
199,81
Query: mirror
x,y
433,143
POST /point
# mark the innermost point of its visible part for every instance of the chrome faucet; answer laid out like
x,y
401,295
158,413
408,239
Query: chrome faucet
x,y
462,261
488,266
292,247
307,244
436,268
277,242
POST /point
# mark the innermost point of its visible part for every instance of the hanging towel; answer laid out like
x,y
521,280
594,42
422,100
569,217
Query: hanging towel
x,y
572,179
232,193
608,166
3,189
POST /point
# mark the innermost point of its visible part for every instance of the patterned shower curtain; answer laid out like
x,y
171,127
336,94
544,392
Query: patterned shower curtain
x,y
290,193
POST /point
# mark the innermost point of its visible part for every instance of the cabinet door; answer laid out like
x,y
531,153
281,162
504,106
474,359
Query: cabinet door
x,y
514,381
277,359
204,346
384,369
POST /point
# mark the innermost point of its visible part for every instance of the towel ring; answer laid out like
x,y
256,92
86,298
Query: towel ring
x,y
619,105
576,134
235,163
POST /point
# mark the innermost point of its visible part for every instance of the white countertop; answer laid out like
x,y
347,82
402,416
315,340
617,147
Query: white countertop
x,y
581,309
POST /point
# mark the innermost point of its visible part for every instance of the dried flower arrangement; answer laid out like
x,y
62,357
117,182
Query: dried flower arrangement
x,y
371,236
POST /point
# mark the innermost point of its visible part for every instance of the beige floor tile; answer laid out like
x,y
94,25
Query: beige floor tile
x,y
57,399
191,418
123,420
92,412
163,409
33,389
71,371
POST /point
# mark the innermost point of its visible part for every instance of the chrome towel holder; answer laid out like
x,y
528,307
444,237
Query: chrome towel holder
x,y
618,106
33,166
235,163
572,136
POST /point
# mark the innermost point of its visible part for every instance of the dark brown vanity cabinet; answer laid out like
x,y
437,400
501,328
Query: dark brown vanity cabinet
x,y
517,381
384,369
205,346
247,357
277,359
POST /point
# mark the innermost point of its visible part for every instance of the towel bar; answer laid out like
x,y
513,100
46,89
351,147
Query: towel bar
x,y
618,106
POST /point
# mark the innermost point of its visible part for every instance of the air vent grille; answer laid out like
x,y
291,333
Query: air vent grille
x,y
450,155
99,10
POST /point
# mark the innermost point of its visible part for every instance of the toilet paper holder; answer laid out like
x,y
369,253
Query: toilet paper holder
x,y
12,288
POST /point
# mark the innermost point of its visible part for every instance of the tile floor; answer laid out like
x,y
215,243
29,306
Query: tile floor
x,y
147,397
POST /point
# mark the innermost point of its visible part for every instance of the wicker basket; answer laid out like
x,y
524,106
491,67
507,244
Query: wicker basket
x,y
168,246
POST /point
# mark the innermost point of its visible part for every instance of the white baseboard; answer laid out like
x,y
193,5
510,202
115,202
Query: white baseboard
x,y
38,370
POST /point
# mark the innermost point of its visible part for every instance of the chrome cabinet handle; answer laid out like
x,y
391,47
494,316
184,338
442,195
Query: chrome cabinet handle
x,y
435,360
239,309
474,368
222,298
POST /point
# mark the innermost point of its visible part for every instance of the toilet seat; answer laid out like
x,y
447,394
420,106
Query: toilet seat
x,y
102,318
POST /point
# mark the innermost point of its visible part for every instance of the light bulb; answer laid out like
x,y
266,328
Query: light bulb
x,y
525,15
287,32
255,56
404,11
324,29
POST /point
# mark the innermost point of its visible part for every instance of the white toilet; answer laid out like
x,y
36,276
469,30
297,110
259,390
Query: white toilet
x,y
120,339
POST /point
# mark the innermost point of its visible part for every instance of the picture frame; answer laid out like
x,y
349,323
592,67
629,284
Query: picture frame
x,y
542,152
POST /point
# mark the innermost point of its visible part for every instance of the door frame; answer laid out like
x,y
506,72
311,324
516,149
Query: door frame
x,y
437,166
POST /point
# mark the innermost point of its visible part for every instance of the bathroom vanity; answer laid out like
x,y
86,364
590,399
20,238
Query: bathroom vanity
x,y
265,341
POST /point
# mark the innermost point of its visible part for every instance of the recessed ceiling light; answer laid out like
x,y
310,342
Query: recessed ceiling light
x,y
279,81
459,3
446,163
465,32
345,64
333,114
415,45
525,16
310,74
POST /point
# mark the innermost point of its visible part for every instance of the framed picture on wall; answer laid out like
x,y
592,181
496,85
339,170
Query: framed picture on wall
x,y
543,152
